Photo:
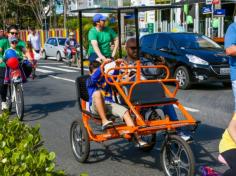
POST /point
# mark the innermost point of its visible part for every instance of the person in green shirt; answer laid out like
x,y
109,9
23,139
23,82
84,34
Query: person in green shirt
x,y
4,45
100,38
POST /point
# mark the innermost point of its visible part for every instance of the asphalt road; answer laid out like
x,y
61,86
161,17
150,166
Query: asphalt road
x,y
50,101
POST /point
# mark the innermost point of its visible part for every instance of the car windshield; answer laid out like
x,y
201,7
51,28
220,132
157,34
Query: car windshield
x,y
194,41
62,41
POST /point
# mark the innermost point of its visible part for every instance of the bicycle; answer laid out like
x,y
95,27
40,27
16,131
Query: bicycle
x,y
15,93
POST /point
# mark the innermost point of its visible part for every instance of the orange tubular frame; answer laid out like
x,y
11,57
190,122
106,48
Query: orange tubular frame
x,y
142,127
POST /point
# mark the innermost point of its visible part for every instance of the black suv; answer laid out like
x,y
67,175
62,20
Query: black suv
x,y
191,57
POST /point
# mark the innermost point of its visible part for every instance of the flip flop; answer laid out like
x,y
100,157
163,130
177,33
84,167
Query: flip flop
x,y
108,124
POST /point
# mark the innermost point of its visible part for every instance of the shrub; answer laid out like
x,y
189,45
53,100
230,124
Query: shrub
x,y
21,151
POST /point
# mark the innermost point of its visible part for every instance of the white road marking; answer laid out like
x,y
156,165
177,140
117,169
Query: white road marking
x,y
189,109
76,68
50,63
56,68
65,79
43,71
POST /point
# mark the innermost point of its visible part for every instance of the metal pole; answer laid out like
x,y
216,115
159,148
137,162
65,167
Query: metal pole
x,y
81,43
119,34
65,12
137,29
196,26
211,23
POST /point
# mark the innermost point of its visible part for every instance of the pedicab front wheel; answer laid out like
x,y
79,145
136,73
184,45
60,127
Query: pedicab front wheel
x,y
79,141
177,157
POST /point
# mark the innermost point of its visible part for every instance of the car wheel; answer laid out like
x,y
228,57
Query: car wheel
x,y
58,56
44,55
182,75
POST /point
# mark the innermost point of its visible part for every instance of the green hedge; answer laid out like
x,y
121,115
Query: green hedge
x,y
21,151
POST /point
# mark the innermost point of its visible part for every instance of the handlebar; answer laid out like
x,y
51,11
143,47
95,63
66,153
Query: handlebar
x,y
138,69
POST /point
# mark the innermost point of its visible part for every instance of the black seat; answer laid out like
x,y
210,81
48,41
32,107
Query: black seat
x,y
149,93
82,93
81,90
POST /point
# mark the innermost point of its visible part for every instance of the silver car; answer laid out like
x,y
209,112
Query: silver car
x,y
54,48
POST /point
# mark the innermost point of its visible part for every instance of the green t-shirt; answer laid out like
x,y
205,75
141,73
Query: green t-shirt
x,y
4,45
103,38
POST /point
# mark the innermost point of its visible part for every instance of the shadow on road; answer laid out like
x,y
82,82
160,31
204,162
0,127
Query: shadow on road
x,y
40,111
210,86
205,149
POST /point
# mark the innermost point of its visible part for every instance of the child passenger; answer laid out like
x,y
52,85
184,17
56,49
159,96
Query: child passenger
x,y
101,102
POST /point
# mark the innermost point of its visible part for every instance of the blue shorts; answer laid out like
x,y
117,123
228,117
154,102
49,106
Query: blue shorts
x,y
234,91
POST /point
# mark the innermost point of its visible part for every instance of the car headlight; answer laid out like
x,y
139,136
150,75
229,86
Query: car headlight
x,y
196,60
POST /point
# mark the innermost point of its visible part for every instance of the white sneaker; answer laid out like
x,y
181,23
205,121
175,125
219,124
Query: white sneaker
x,y
185,137
5,106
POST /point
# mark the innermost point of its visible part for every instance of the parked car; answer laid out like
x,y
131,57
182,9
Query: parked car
x,y
54,47
191,58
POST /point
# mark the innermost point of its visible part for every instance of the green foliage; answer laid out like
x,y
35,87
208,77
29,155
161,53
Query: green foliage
x,y
21,151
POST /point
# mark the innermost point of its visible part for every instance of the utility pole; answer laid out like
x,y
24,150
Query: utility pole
x,y
65,13
122,22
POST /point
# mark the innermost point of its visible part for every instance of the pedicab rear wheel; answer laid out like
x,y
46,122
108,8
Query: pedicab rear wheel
x,y
177,157
79,141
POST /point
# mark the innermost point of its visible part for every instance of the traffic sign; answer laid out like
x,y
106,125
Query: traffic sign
x,y
219,12
206,9
150,28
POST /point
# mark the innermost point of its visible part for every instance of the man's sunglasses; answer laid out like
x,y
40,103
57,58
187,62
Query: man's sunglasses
x,y
12,33
14,42
133,47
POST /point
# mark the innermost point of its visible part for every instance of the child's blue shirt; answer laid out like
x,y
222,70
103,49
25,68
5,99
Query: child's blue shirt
x,y
96,82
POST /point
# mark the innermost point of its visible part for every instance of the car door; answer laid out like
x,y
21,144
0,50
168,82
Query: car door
x,y
49,47
166,49
54,47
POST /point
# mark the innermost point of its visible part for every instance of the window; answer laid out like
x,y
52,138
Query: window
x,y
61,41
163,42
148,41
50,41
54,42
194,41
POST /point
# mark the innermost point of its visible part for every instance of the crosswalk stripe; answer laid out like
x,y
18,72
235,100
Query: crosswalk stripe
x,y
60,69
76,68
65,79
44,71
50,63
189,109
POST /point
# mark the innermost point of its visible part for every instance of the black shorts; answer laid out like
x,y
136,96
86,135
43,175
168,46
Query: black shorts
x,y
230,158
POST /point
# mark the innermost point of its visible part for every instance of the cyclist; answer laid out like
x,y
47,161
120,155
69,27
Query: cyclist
x,y
100,100
100,38
12,60
69,44
4,45
131,58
